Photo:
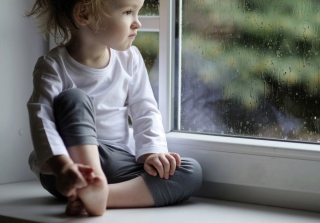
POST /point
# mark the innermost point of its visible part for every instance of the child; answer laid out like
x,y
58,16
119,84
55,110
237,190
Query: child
x,y
84,90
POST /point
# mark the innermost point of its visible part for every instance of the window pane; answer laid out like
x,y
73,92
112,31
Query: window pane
x,y
148,44
251,68
150,7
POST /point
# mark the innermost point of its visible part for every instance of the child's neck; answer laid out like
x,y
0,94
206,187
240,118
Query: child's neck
x,y
91,56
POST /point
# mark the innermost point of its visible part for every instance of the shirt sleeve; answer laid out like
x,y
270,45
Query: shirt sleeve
x,y
46,85
146,119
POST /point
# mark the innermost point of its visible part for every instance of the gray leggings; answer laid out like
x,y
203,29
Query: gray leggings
x,y
75,120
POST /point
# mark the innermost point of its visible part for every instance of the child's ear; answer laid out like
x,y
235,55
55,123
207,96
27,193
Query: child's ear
x,y
81,13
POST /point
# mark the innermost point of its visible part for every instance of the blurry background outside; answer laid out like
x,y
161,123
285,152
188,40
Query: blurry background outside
x,y
248,67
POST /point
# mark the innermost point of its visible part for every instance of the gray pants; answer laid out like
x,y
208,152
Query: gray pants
x,y
75,120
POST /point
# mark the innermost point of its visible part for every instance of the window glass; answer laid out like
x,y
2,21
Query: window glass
x,y
150,8
148,44
250,68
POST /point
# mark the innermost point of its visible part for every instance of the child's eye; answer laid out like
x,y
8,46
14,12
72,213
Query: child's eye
x,y
128,12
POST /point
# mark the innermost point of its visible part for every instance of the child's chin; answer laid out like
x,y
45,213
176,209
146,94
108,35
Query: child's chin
x,y
123,48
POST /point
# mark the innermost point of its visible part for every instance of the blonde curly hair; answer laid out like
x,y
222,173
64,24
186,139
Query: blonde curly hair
x,y
56,16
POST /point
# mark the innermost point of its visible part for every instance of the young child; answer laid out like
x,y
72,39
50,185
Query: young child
x,y
84,90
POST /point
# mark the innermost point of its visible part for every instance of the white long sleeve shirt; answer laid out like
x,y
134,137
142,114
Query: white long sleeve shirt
x,y
119,90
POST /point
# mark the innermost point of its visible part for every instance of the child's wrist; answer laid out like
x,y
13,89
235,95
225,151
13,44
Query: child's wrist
x,y
58,163
144,157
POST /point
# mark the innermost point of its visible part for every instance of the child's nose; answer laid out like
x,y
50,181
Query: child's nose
x,y
136,24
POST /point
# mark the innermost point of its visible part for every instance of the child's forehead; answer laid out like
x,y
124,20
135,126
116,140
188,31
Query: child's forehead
x,y
125,3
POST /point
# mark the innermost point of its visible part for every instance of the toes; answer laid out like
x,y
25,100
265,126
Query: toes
x,y
97,182
75,208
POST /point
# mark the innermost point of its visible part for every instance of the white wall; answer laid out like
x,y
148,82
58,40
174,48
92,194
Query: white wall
x,y
20,46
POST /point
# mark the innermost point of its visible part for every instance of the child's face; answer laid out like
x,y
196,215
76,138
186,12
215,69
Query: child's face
x,y
118,31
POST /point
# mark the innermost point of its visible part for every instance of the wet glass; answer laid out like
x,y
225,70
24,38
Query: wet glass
x,y
250,68
150,8
148,44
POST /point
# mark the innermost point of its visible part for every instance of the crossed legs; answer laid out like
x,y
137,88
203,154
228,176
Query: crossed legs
x,y
75,120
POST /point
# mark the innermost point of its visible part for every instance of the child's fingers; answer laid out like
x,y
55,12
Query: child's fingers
x,y
85,168
87,172
75,178
80,181
177,158
150,170
153,164
157,164
70,179
166,165
173,163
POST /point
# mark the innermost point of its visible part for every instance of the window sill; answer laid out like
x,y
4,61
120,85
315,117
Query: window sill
x,y
27,202
282,174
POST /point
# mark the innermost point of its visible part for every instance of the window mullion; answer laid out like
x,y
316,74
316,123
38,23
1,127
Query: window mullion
x,y
179,61
166,60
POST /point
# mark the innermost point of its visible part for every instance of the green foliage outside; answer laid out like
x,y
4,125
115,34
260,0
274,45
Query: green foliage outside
x,y
150,7
273,47
268,40
148,44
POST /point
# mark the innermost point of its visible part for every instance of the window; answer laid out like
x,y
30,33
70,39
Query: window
x,y
250,69
150,8
235,156
224,42
162,62
148,41
241,67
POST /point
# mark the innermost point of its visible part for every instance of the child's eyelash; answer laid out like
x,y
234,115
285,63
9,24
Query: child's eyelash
x,y
128,12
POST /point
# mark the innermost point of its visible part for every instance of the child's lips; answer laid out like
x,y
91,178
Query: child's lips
x,y
133,35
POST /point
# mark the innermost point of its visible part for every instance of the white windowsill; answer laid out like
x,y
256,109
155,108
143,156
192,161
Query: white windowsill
x,y
27,202
282,174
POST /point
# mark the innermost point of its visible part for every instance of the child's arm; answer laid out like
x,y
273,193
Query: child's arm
x,y
47,84
70,176
146,119
149,135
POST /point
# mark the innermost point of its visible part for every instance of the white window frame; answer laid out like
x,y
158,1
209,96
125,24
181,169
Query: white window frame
x,y
278,173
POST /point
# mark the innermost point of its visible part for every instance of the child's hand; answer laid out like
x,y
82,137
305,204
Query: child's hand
x,y
72,177
163,164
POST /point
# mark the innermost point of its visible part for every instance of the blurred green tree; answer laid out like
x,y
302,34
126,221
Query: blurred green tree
x,y
271,45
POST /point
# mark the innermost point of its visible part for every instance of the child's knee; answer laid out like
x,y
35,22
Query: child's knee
x,y
191,174
75,117
70,97
72,102
181,186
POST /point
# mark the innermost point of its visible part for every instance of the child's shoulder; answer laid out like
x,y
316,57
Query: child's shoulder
x,y
54,54
57,53
52,60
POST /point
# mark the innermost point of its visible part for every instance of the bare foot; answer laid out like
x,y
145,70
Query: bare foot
x,y
94,196
75,206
